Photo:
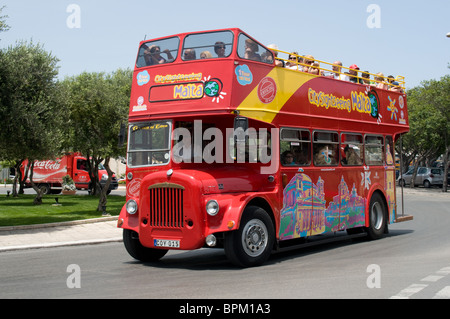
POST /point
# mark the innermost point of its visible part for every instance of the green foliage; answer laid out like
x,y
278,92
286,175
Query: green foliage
x,y
68,183
429,111
30,103
3,25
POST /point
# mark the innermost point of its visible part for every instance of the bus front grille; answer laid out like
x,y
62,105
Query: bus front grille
x,y
166,206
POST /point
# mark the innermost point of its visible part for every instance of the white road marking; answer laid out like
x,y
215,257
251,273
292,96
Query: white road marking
x,y
443,293
409,291
432,278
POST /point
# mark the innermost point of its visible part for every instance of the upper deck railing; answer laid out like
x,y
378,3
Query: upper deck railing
x,y
309,64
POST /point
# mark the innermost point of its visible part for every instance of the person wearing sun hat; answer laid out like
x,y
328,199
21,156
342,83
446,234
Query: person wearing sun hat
x,y
353,74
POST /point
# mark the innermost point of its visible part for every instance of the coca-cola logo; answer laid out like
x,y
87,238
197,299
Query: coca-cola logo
x,y
48,164
133,187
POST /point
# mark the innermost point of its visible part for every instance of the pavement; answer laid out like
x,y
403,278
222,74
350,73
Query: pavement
x,y
101,230
83,232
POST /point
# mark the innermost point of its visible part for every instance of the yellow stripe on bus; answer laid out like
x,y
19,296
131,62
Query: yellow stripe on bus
x,y
287,83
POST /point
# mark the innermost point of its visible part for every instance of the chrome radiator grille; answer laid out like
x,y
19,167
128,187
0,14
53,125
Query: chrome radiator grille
x,y
166,205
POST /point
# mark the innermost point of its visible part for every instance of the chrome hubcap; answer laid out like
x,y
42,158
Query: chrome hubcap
x,y
254,237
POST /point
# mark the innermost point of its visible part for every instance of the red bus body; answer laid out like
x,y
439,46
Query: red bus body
x,y
301,200
48,174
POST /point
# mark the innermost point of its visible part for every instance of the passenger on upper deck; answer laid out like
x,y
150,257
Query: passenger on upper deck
x,y
379,81
152,55
314,69
365,77
353,74
205,55
272,48
219,48
309,60
337,73
293,65
250,50
189,54
394,85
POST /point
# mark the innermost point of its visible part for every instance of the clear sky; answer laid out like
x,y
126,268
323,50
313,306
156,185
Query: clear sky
x,y
391,36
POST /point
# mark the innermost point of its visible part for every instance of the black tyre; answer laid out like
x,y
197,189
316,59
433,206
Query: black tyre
x,y
251,245
44,188
377,217
139,252
426,183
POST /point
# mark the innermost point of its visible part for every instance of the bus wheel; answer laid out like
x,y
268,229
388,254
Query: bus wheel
x,y
251,245
139,252
377,217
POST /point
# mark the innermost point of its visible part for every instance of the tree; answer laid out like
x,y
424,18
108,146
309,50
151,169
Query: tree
x,y
98,105
3,25
30,106
429,111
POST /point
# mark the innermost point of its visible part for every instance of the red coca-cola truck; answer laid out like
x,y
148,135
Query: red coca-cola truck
x,y
48,174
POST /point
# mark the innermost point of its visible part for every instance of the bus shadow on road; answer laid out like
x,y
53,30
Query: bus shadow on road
x,y
215,258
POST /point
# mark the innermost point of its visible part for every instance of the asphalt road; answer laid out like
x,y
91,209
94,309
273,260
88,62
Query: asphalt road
x,y
412,261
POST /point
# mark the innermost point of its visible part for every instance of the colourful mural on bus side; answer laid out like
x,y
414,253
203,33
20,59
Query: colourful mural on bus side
x,y
305,213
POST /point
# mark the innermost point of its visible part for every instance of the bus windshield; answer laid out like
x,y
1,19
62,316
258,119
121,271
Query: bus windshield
x,y
149,144
158,52
207,45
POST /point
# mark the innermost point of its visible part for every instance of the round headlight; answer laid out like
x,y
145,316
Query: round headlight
x,y
212,207
131,207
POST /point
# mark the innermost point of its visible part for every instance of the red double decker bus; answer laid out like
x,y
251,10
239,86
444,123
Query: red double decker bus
x,y
229,148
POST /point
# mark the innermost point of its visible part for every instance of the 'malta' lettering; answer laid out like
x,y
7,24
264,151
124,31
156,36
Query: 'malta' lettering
x,y
188,91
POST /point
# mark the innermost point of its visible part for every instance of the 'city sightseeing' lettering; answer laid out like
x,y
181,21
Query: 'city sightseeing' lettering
x,y
170,78
320,99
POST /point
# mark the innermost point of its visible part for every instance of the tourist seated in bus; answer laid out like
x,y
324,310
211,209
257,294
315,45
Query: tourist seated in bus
x,y
337,72
308,61
152,55
267,57
379,81
324,154
278,62
314,69
351,156
353,74
219,49
205,55
287,158
303,156
189,54
251,47
293,61
365,77
393,85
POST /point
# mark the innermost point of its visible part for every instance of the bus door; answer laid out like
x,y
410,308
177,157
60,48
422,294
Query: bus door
x,y
298,192
352,186
326,206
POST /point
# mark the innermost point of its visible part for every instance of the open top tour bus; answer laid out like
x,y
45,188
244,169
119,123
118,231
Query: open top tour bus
x,y
229,147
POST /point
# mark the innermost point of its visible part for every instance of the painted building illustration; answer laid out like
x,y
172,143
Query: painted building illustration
x,y
306,213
